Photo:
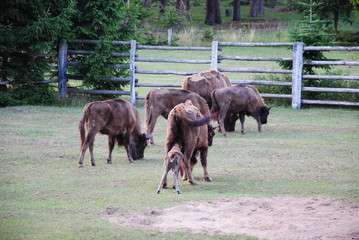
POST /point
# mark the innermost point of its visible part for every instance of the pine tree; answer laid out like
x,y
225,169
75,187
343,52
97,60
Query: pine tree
x,y
105,21
312,32
28,28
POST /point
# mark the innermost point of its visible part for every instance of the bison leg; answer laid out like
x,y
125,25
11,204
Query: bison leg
x,y
111,145
259,122
93,163
129,155
187,159
163,182
90,138
241,118
221,117
150,125
204,153
175,178
183,171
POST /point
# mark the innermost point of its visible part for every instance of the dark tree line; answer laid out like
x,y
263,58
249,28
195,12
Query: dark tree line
x,y
330,10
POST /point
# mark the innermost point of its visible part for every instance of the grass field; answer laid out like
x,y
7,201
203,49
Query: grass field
x,y
311,152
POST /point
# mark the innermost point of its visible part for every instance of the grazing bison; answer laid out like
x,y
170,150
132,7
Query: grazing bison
x,y
172,161
242,100
186,126
118,119
161,101
204,83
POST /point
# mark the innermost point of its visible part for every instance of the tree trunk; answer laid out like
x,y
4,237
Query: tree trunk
x,y
253,9
182,7
217,13
236,10
146,3
163,6
261,7
336,20
213,13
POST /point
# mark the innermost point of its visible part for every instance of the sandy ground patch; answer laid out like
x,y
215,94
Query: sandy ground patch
x,y
262,217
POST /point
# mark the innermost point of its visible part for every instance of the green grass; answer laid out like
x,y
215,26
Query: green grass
x,y
43,195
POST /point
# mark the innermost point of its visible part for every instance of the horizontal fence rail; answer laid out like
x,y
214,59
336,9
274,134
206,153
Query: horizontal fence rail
x,y
214,61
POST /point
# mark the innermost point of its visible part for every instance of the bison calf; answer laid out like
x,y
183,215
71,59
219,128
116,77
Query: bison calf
x,y
172,161
118,119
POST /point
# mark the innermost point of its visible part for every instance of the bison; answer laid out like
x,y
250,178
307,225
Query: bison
x,y
186,126
118,119
172,161
204,83
161,101
242,100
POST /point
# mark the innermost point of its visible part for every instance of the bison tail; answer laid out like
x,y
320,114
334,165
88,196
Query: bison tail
x,y
83,119
148,118
215,107
198,122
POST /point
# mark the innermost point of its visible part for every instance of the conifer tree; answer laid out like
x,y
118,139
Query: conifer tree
x,y
29,28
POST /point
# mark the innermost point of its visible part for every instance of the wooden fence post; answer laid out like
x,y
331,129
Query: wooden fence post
x,y
61,68
132,72
169,36
297,73
214,55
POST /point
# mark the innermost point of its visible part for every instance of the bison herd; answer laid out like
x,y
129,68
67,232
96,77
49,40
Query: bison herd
x,y
205,97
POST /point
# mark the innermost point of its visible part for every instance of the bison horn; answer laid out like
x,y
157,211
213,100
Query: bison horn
x,y
149,137
270,107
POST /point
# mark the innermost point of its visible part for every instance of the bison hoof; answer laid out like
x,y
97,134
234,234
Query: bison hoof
x,y
192,182
179,192
109,161
131,160
81,165
158,191
164,185
207,179
93,164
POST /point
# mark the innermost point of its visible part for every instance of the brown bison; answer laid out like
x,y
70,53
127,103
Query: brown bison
x,y
242,100
172,161
204,83
118,119
186,126
161,101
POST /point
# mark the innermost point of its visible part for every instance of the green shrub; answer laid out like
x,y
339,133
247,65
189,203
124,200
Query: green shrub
x,y
275,89
348,38
208,35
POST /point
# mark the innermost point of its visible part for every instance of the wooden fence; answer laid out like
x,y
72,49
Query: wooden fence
x,y
214,62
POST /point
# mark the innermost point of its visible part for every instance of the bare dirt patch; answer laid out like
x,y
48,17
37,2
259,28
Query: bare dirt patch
x,y
262,217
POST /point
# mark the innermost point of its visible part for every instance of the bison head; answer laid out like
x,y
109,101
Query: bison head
x,y
263,113
211,134
230,121
138,144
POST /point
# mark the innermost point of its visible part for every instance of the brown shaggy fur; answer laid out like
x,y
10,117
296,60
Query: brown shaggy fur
x,y
161,101
187,126
243,100
118,119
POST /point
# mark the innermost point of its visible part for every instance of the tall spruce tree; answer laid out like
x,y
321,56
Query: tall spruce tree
x,y
28,28
312,32
105,21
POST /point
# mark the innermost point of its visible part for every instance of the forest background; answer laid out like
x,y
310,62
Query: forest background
x,y
31,28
